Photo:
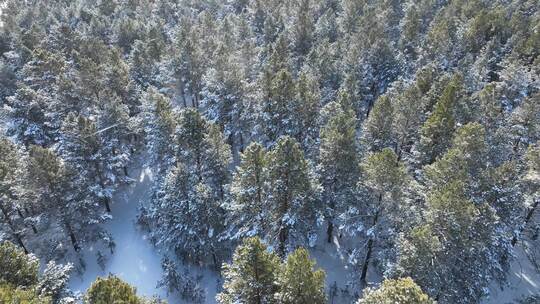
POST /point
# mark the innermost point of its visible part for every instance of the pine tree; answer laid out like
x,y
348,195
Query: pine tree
x,y
338,163
10,294
461,226
217,159
305,109
28,110
18,268
54,280
189,138
186,217
291,196
248,190
436,133
404,291
10,171
60,199
115,132
299,282
111,290
83,148
525,122
378,131
408,115
277,109
251,277
386,177
303,28
157,121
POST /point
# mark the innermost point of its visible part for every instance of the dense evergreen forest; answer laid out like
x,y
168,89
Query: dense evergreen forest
x,y
406,134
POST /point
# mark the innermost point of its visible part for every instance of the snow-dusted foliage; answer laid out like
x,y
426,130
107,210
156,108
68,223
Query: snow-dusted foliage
x,y
397,137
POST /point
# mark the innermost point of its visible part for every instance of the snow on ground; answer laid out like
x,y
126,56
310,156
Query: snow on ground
x,y
137,262
134,259
523,280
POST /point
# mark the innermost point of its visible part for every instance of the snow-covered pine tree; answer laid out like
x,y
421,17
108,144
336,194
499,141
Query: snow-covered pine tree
x,y
12,225
299,281
404,291
251,276
387,178
157,120
248,194
338,165
292,197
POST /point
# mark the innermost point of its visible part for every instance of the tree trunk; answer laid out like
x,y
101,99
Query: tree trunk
x,y
214,258
330,230
16,235
126,171
106,202
241,142
283,235
370,245
72,237
528,217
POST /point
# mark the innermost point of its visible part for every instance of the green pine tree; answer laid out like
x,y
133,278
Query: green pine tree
x,y
18,268
402,291
111,290
290,195
436,133
338,163
247,208
251,277
378,131
386,177
299,281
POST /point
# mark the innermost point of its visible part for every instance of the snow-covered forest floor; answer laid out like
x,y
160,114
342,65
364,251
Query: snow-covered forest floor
x,y
138,262
523,280
134,259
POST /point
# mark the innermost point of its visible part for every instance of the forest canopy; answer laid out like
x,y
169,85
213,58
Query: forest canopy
x,y
402,136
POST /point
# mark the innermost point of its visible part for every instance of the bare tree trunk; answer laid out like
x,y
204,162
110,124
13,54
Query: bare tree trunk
x,y
105,200
72,237
528,217
330,231
241,142
283,235
16,235
370,245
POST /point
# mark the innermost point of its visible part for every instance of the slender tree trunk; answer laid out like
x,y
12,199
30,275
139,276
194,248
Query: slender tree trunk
x,y
330,230
370,245
106,201
16,235
214,258
283,235
528,217
241,142
72,237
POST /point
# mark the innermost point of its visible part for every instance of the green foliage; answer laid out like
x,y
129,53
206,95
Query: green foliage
x,y
378,127
403,291
299,281
436,133
18,268
291,194
9,294
248,191
251,277
111,290
384,173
